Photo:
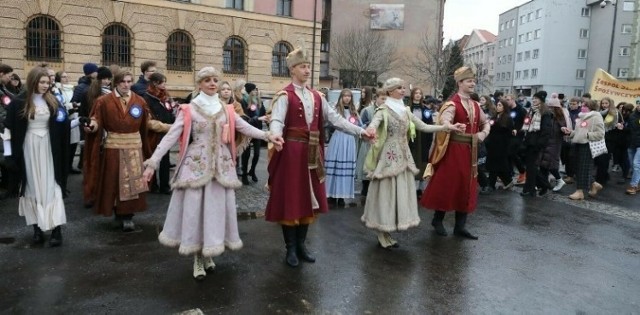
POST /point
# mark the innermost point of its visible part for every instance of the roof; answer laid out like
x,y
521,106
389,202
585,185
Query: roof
x,y
488,36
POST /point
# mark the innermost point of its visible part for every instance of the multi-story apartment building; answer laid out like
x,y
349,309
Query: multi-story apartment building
x,y
610,37
550,48
505,49
420,18
244,39
560,45
479,52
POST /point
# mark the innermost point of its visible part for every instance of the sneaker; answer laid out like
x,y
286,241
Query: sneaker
x,y
560,183
128,226
632,190
522,178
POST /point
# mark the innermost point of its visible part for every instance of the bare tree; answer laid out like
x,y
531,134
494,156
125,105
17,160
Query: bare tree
x,y
362,55
484,81
432,63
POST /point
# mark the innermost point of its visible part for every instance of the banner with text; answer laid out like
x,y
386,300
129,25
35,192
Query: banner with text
x,y
606,85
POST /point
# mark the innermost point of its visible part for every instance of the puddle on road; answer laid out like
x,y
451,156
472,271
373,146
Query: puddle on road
x,y
7,240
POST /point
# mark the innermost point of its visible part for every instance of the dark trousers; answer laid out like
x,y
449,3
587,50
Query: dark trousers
x,y
544,172
483,180
534,177
505,177
72,154
163,173
365,187
255,146
514,155
602,168
568,158
621,157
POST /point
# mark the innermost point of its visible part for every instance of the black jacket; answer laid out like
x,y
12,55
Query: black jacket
x,y
140,87
254,114
538,140
80,95
633,124
59,127
158,110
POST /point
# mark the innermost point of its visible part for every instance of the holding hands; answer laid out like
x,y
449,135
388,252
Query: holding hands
x,y
457,127
369,134
148,174
277,141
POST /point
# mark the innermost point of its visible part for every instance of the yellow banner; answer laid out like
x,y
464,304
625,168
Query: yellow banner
x,y
606,85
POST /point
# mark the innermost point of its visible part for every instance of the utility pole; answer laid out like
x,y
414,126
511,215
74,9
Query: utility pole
x,y
313,43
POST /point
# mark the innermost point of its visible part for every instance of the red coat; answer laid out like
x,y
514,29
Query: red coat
x,y
453,186
290,197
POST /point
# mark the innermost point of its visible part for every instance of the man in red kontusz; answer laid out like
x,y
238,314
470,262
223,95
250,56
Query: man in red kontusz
x,y
296,173
453,158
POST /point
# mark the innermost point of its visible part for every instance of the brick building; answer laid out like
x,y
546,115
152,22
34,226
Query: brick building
x,y
246,39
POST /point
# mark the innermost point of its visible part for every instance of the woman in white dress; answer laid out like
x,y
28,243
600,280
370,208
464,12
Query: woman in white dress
x,y
201,219
38,132
391,203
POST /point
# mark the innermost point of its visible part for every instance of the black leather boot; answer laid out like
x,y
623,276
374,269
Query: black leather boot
x,y
245,179
438,216
38,236
289,233
56,237
302,251
460,230
252,173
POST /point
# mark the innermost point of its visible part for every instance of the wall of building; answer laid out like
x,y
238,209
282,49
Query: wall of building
x,y
504,51
600,39
420,17
300,9
150,22
634,66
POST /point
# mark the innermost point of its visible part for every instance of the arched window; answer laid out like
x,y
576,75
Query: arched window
x,y
116,45
233,56
279,60
179,52
44,39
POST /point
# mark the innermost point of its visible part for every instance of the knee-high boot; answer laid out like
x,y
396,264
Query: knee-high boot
x,y
438,216
460,230
290,238
302,251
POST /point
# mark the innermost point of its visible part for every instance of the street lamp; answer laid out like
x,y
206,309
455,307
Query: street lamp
x,y
603,4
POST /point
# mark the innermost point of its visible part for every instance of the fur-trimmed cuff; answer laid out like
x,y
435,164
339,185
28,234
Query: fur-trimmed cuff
x,y
151,163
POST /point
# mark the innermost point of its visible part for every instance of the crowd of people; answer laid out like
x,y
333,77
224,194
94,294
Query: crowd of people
x,y
419,151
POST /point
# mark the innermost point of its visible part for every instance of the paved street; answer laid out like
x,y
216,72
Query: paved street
x,y
546,255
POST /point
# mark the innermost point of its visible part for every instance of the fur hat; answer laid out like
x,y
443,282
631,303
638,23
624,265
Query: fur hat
x,y
249,87
206,72
463,73
554,102
392,84
89,68
541,95
104,73
297,57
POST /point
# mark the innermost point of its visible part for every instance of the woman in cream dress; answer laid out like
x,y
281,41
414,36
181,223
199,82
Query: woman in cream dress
x,y
391,203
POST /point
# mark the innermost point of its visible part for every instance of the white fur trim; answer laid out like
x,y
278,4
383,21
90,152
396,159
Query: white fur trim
x,y
390,228
151,163
166,241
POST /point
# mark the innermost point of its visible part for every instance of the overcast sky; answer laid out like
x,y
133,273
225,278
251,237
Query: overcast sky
x,y
462,16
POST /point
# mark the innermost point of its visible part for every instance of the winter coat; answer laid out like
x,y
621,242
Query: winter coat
x,y
59,127
551,155
589,127
633,124
498,140
80,95
140,87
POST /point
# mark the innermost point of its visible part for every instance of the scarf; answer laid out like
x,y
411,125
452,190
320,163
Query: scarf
x,y
396,105
535,119
208,104
158,93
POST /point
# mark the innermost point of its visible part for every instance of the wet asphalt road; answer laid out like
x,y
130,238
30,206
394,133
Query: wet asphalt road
x,y
545,255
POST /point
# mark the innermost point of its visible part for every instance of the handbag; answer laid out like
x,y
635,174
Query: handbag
x,y
598,148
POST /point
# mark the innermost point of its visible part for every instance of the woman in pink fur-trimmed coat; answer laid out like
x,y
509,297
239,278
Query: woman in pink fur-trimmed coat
x,y
201,218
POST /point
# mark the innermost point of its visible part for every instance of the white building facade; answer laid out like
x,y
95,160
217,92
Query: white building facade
x,y
549,51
